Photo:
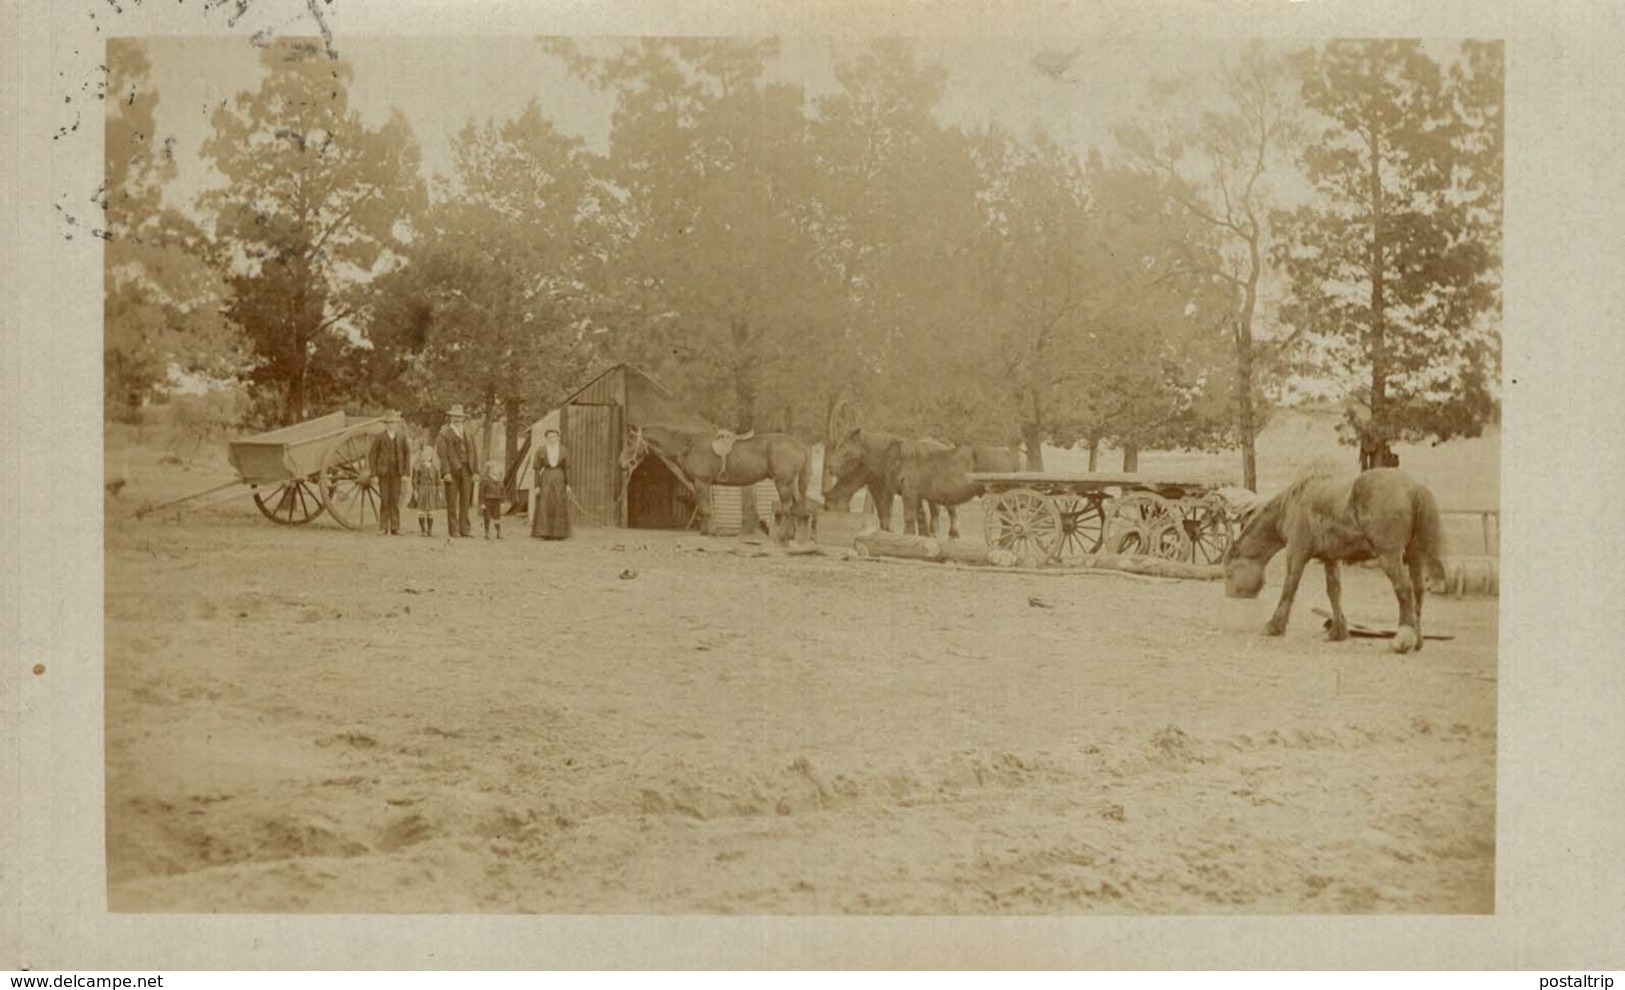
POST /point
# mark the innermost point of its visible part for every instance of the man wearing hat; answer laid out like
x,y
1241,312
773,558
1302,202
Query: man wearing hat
x,y
454,447
389,459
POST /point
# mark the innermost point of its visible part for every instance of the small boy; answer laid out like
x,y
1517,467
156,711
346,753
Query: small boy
x,y
492,495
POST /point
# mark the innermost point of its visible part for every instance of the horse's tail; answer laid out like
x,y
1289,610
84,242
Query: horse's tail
x,y
1427,531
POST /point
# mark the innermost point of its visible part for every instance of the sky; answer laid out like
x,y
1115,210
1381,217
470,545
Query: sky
x,y
441,83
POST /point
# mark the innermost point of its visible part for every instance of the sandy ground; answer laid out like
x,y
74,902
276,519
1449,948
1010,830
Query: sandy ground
x,y
308,719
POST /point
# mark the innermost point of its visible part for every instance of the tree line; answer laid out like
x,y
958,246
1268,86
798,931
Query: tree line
x,y
772,255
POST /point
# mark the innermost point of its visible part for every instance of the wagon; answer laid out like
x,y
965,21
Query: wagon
x,y
1056,518
298,472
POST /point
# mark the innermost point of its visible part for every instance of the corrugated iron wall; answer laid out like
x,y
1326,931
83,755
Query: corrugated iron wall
x,y
727,510
592,434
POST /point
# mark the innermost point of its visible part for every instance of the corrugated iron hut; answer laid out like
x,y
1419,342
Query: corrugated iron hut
x,y
592,423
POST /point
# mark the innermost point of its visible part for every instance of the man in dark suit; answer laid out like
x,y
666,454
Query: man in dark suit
x,y
389,459
454,448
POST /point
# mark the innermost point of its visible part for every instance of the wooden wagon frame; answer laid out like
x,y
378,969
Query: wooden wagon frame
x,y
1055,518
298,472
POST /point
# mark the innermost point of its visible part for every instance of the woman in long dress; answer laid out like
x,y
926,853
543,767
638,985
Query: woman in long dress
x,y
550,520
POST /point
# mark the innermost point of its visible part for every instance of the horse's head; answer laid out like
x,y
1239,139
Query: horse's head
x,y
634,450
1246,556
844,472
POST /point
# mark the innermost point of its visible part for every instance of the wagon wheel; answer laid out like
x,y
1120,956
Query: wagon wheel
x,y
1082,525
1130,521
1165,538
1024,522
292,503
1207,529
347,489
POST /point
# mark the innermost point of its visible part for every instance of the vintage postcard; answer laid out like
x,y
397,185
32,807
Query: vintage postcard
x,y
976,485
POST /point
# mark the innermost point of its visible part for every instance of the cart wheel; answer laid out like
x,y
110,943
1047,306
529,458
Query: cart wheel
x,y
350,496
1024,522
1165,538
1082,525
292,503
1207,529
1130,521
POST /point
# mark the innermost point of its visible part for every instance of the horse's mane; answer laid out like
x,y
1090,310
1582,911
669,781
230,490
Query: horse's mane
x,y
1268,512
687,433
1310,475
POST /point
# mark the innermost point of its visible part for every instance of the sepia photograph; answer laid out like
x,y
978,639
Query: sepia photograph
x,y
799,475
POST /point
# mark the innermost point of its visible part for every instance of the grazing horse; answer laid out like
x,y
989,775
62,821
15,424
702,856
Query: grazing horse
x,y
753,458
1383,514
872,460
941,478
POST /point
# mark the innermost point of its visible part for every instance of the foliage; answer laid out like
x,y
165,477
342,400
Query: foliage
x,y
893,209
1219,168
702,158
1394,268
316,205
489,309
162,296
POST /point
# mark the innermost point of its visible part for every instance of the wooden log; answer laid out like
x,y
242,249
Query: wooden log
x,y
1155,566
879,543
959,552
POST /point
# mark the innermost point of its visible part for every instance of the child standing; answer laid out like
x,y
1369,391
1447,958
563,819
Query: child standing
x,y
492,495
426,490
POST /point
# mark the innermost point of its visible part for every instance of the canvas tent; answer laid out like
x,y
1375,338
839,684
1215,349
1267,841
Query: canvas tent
x,y
593,422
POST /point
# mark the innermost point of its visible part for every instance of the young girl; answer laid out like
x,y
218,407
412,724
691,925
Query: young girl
x,y
426,490
492,495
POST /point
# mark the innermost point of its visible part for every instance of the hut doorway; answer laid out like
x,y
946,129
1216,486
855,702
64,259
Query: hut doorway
x,y
655,499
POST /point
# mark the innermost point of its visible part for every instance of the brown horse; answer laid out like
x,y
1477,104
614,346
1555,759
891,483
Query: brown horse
x,y
757,457
941,477
1383,514
868,459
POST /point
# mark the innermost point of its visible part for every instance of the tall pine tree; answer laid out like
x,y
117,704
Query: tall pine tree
x,y
1391,273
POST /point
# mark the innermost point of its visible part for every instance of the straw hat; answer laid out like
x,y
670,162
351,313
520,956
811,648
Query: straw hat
x,y
456,411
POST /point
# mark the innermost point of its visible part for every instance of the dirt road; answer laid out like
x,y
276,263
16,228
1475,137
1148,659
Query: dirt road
x,y
306,719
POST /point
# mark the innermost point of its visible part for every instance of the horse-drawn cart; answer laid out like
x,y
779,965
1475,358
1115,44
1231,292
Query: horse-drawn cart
x,y
1055,518
298,472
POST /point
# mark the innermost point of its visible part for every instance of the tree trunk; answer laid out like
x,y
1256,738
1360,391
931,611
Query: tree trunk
x,y
879,543
1033,439
1379,452
296,388
490,424
744,380
745,397
1131,458
510,431
1246,423
1094,455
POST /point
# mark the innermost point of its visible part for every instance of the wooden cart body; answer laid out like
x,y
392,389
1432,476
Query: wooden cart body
x,y
1053,517
290,452
298,472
